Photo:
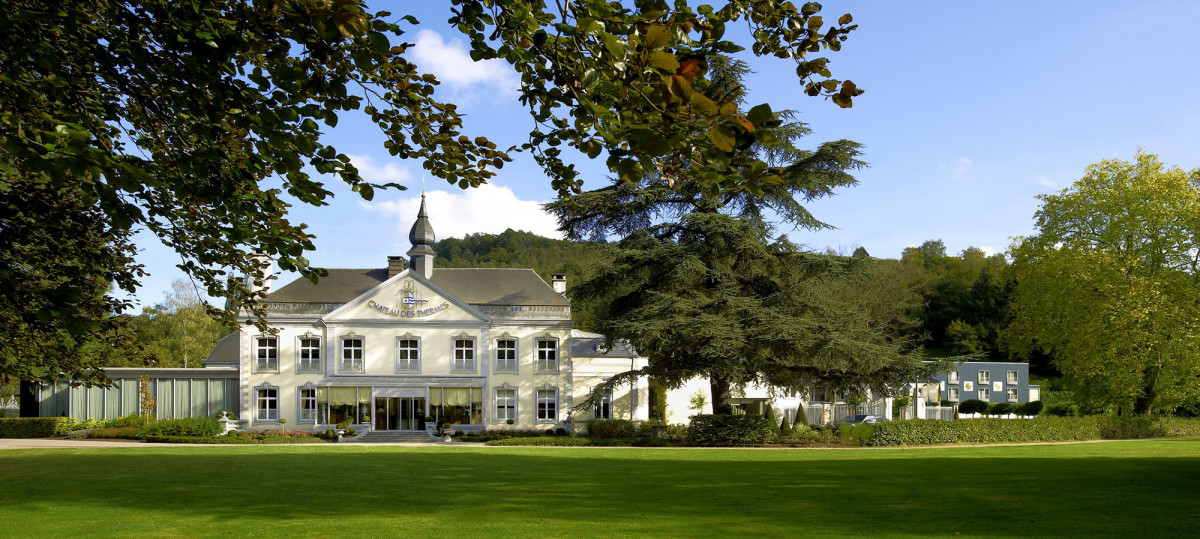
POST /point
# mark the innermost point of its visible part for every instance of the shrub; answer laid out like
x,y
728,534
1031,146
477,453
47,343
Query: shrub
x,y
123,433
34,427
560,441
1000,408
972,406
561,431
785,429
713,430
187,426
1030,408
770,415
1176,426
612,428
344,424
984,431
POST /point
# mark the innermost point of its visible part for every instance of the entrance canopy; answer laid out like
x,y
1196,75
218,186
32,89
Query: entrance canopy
x,y
403,381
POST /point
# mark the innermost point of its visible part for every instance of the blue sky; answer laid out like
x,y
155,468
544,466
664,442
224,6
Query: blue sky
x,y
971,110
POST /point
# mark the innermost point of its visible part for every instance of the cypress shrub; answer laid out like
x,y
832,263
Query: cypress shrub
x,y
34,427
717,430
770,415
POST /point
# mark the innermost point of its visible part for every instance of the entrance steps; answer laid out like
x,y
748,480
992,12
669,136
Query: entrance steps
x,y
393,437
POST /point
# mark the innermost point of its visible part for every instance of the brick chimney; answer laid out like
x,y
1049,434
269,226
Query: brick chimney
x,y
395,265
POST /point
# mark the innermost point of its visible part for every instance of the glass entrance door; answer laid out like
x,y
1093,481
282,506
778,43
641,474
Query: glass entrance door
x,y
412,413
399,413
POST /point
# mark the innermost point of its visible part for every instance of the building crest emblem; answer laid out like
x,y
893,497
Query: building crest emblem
x,y
412,304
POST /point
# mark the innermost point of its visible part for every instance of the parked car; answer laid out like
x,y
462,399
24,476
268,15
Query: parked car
x,y
863,418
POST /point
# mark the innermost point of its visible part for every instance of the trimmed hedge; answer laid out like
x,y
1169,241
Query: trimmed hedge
x,y
34,427
1042,429
983,431
612,428
123,433
558,441
716,430
234,440
545,441
187,426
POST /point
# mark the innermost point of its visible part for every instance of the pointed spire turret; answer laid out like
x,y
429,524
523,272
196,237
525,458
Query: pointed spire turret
x,y
421,255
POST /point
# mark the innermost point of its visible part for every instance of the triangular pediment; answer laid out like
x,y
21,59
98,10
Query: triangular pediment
x,y
406,297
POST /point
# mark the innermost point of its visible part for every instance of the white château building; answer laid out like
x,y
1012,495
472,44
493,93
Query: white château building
x,y
400,348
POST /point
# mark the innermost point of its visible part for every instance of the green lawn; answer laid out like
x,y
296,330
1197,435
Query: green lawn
x,y
1135,488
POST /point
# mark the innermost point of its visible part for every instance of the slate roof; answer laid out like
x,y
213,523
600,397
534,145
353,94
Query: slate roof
x,y
477,286
588,344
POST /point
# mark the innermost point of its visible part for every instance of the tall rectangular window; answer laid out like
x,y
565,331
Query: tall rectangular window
x,y
547,405
506,404
1012,394
1012,377
352,354
506,355
464,355
952,394
985,377
547,355
603,408
985,395
953,377
266,352
408,354
310,355
268,404
308,404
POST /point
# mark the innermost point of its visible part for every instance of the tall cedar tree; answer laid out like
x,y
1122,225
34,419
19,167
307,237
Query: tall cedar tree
x,y
699,287
179,116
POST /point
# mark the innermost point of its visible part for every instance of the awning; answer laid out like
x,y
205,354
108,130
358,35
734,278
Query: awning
x,y
403,381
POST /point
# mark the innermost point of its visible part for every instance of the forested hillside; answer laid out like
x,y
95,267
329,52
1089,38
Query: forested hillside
x,y
519,249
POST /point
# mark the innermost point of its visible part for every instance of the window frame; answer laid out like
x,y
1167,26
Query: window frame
x,y
512,407
953,377
983,376
984,394
301,349
409,361
259,348
1012,377
1011,395
551,401
539,358
302,400
455,348
952,394
261,399
516,354
362,353
605,399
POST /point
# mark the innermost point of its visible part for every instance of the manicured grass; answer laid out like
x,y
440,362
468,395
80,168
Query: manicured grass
x,y
1134,488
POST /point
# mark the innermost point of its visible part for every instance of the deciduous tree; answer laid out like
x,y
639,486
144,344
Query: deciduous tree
x,y
172,116
1109,284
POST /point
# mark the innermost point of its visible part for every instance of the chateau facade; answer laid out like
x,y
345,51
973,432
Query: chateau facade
x,y
403,348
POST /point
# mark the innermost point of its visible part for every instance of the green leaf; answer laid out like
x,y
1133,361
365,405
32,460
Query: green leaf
x,y
702,104
664,60
657,35
722,137
760,114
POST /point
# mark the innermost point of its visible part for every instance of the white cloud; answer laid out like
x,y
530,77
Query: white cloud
x,y
451,63
488,208
1045,182
961,167
379,172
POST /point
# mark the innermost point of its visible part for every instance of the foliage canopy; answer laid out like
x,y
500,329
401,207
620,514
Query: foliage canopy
x,y
178,117
1110,286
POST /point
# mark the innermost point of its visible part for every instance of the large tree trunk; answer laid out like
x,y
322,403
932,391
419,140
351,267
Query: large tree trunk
x,y
1145,402
720,395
